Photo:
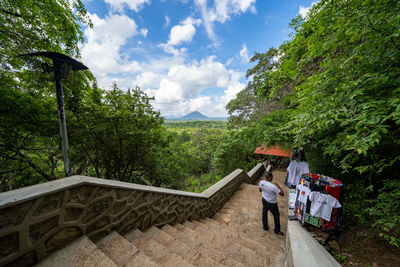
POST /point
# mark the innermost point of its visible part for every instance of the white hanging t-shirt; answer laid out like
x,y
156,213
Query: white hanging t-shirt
x,y
269,191
304,192
295,170
322,204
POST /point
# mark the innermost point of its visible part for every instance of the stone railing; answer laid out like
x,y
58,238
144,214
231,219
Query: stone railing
x,y
302,250
255,173
37,220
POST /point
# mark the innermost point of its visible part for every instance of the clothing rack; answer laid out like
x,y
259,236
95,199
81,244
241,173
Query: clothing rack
x,y
324,185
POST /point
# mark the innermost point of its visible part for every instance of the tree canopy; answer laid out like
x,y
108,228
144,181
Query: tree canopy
x,y
112,133
338,85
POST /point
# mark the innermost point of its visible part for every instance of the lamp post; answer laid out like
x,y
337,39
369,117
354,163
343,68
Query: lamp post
x,y
62,64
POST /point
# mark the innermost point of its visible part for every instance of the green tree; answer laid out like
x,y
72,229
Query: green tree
x,y
29,139
116,136
338,84
249,106
235,151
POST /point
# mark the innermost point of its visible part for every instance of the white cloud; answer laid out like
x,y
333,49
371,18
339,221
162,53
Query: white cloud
x,y
221,11
167,22
277,59
208,24
174,51
144,32
303,11
119,5
178,86
183,32
146,79
180,91
170,93
102,52
229,61
179,34
244,54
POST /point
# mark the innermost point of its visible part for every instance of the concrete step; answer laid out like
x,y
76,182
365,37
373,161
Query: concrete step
x,y
248,224
264,250
243,238
256,233
154,250
228,245
186,250
160,236
214,222
117,248
82,253
200,225
266,242
189,237
222,218
141,260
189,224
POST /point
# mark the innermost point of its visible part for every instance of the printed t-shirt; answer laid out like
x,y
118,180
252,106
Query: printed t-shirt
x,y
322,204
304,192
295,170
269,191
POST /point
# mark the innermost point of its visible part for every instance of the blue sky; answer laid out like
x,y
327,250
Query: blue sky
x,y
191,55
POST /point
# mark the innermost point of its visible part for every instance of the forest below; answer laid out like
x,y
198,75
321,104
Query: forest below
x,y
332,89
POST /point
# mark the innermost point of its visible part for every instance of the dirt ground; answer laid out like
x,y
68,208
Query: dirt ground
x,y
361,249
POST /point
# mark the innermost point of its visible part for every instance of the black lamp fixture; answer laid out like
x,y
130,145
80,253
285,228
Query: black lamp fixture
x,y
62,65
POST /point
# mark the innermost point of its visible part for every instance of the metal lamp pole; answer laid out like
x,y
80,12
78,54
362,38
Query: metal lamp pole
x,y
61,66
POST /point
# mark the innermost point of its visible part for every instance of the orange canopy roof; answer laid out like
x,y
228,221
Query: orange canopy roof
x,y
273,151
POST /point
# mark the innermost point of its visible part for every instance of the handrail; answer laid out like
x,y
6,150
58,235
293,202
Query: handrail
x,y
39,219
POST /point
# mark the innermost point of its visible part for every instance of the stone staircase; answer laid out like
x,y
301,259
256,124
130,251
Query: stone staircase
x,y
233,237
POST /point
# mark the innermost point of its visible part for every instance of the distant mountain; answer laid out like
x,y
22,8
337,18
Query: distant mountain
x,y
195,115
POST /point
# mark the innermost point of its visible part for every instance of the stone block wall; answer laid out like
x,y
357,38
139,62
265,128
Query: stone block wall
x,y
37,220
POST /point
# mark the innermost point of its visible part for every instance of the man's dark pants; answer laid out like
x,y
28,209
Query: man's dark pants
x,y
273,208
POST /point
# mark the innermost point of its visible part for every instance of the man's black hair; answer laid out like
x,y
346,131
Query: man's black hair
x,y
268,175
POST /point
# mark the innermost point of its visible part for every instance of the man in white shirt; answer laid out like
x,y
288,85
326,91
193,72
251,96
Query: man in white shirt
x,y
269,191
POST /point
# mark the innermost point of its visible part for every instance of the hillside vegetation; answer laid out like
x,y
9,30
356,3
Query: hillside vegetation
x,y
334,90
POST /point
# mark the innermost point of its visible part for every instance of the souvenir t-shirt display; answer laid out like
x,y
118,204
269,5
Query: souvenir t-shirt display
x,y
292,198
303,193
322,216
322,204
295,170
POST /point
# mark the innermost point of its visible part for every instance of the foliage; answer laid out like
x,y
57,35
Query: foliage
x,y
248,106
338,81
188,157
116,136
29,139
385,211
339,257
112,134
198,157
338,87
358,199
235,151
199,184
181,124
